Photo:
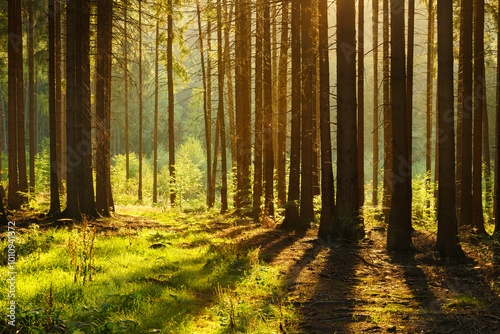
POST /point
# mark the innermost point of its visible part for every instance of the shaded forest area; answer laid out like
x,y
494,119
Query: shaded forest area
x,y
249,166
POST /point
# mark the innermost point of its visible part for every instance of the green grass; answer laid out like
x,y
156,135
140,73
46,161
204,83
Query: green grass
x,y
196,283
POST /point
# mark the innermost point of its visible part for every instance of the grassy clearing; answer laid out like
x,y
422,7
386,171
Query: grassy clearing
x,y
177,277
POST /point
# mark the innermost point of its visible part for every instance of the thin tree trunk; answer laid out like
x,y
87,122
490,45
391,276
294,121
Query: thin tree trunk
x,y
430,85
126,75
409,91
479,93
139,192
170,73
361,103
73,159
208,122
486,155
465,110
268,114
58,94
306,186
31,65
292,211
347,223
21,129
387,115
399,230
220,67
496,204
257,175
55,206
243,85
103,104
282,104
375,102
327,182
155,129
447,235
211,188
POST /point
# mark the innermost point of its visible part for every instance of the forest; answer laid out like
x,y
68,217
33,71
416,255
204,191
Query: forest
x,y
249,166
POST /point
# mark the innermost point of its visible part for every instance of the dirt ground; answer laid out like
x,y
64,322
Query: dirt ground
x,y
359,288
347,288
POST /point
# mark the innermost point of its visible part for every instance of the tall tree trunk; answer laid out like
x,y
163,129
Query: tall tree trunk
x,y
282,104
429,96
21,129
73,159
89,208
316,164
170,73
31,65
327,181
375,102
346,224
409,91
126,75
220,68
213,178
139,192
479,93
58,93
292,211
486,155
399,230
387,115
208,121
496,208
361,103
447,239
155,126
103,106
306,186
243,85
228,17
268,114
55,206
257,176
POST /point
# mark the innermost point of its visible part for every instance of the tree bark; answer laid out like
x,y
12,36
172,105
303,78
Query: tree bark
x,y
31,65
327,181
258,155
139,192
479,93
268,114
347,223
103,106
399,230
496,208
155,126
170,74
55,206
220,67
447,240
291,220
361,103
429,97
375,139
387,115
243,105
282,104
208,121
306,186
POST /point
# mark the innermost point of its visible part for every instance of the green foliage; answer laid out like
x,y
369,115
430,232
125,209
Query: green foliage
x,y
81,251
423,201
138,288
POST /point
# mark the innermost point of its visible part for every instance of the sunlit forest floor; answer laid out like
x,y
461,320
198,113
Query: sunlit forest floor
x,y
157,270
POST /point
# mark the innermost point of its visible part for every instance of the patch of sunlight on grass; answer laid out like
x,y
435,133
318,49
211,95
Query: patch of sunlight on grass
x,y
181,287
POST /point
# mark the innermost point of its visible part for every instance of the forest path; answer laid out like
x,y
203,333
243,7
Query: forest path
x,y
362,289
